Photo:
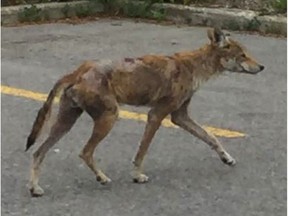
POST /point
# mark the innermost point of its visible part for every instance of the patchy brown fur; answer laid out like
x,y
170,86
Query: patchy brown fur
x,y
164,83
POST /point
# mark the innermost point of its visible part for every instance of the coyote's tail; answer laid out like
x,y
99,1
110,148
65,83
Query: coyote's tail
x,y
44,113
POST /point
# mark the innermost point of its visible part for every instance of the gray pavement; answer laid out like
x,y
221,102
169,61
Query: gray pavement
x,y
187,178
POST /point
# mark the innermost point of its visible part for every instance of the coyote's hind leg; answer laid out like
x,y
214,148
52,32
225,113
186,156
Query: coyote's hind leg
x,y
103,122
66,118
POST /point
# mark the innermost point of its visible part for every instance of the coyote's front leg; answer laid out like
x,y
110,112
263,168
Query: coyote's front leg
x,y
155,117
182,119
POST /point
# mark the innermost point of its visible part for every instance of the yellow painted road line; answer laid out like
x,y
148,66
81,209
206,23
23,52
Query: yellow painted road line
x,y
125,114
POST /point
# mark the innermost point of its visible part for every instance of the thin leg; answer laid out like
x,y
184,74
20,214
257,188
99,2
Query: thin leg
x,y
66,118
102,126
155,118
181,118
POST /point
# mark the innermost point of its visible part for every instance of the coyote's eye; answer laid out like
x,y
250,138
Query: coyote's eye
x,y
243,55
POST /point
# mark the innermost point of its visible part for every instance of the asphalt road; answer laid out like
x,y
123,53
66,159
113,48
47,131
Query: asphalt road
x,y
187,178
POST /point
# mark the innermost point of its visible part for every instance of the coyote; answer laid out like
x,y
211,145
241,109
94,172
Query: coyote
x,y
164,83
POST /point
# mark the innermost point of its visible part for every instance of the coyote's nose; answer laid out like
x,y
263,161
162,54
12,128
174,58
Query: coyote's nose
x,y
261,67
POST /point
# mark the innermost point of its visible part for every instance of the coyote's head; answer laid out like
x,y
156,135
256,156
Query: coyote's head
x,y
233,56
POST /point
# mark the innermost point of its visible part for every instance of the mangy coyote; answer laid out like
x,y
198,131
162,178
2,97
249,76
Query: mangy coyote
x,y
164,83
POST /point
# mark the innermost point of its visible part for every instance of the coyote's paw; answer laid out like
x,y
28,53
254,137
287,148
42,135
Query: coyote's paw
x,y
140,178
103,179
36,191
228,159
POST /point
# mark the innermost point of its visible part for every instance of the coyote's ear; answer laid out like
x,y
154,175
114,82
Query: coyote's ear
x,y
216,36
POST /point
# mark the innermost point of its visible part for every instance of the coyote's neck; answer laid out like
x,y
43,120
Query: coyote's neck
x,y
203,64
